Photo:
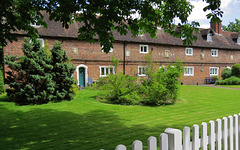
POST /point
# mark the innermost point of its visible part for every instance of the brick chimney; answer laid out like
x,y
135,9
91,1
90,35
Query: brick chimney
x,y
217,27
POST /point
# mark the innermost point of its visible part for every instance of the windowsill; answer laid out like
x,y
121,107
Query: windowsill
x,y
143,52
186,75
213,74
214,56
189,54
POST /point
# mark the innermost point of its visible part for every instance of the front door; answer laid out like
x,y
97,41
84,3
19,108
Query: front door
x,y
82,77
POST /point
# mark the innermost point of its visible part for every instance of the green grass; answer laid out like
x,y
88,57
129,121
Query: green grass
x,y
86,124
231,86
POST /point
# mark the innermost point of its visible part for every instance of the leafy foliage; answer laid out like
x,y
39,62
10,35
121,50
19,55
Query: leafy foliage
x,y
226,73
2,88
37,78
236,70
233,26
229,81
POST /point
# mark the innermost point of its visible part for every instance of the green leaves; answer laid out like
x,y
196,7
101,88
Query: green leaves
x,y
233,26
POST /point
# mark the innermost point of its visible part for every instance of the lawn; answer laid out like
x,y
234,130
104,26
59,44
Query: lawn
x,y
86,124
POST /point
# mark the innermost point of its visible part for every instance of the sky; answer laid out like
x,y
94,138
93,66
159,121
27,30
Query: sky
x,y
230,8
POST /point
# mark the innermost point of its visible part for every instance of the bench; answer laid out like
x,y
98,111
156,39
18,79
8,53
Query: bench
x,y
210,80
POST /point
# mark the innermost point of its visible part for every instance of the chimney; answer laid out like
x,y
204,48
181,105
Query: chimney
x,y
217,27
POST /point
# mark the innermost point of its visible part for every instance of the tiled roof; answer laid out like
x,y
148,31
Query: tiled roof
x,y
220,41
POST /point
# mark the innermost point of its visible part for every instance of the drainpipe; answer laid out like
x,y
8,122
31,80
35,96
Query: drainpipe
x,y
124,56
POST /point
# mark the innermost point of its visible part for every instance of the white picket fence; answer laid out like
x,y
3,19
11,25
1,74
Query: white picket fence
x,y
226,137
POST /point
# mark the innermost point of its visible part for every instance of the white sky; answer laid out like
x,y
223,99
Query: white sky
x,y
231,9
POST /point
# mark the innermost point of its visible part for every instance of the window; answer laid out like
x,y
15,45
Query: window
x,y
141,71
209,37
214,71
214,52
41,41
143,48
189,51
106,70
110,51
188,71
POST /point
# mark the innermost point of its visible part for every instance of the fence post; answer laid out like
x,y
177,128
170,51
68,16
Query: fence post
x,y
195,142
163,141
186,138
212,135
236,131
204,138
174,138
230,122
152,143
137,145
121,147
225,133
219,134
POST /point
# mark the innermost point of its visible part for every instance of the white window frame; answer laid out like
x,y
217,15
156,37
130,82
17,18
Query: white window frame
x,y
214,71
110,51
214,50
141,74
188,72
106,68
187,50
140,49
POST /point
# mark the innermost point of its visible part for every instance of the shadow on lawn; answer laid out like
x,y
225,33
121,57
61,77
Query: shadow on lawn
x,y
51,129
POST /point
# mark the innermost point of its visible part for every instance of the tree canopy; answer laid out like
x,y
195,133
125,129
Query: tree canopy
x,y
233,26
101,17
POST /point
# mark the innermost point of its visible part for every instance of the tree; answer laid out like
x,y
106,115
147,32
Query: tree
x,y
62,73
30,78
236,70
233,27
40,75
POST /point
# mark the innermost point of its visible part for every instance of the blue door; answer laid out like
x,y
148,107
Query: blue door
x,y
81,77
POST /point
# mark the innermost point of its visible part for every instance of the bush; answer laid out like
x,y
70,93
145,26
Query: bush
x,y
226,73
236,70
229,81
164,86
2,88
122,89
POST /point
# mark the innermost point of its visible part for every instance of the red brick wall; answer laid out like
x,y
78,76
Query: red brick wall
x,y
91,55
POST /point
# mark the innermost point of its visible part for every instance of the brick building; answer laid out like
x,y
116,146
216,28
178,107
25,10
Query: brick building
x,y
213,51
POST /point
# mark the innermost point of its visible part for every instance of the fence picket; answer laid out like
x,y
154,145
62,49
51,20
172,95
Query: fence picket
x,y
225,133
195,134
137,145
186,138
236,132
152,143
219,134
204,137
230,132
163,141
121,147
212,135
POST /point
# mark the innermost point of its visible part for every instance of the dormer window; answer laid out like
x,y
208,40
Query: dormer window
x,y
209,37
238,40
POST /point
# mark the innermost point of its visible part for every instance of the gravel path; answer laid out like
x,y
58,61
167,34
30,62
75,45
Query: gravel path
x,y
212,85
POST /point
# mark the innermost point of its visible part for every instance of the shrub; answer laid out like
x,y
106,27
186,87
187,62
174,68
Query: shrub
x,y
226,73
236,70
2,88
122,89
164,86
215,78
229,81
